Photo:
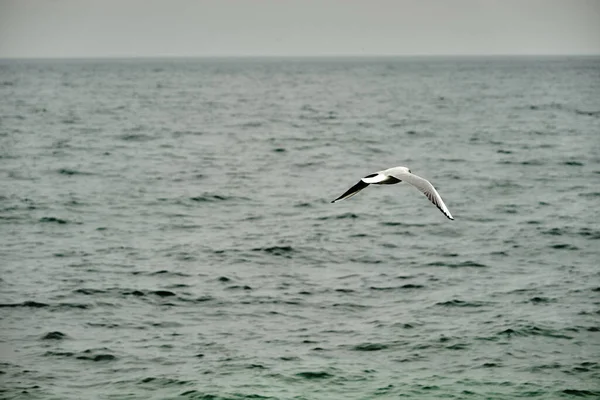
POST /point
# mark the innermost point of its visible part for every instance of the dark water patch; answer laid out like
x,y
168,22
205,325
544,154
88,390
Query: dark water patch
x,y
370,347
136,137
72,172
448,254
72,305
464,264
351,306
365,260
178,134
344,290
548,106
165,324
303,205
590,194
256,366
554,232
359,235
163,293
461,303
137,293
104,325
508,209
340,216
535,163
164,272
490,365
587,113
458,346
453,160
504,152
54,220
585,367
59,354
574,163
71,254
165,382
201,299
55,335
564,246
582,393
196,395
588,233
239,287
30,304
279,251
393,223
209,198
541,300
533,331
279,150
403,287
314,375
251,124
88,291
97,357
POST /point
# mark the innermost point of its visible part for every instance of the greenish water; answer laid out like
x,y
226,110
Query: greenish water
x,y
167,231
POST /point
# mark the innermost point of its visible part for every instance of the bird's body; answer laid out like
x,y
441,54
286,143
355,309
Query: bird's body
x,y
395,175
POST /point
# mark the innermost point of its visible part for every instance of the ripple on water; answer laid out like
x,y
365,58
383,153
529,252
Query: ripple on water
x,y
56,335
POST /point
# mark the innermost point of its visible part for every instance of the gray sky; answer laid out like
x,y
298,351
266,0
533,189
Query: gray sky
x,y
129,28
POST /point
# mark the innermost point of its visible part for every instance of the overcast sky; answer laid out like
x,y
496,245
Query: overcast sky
x,y
130,28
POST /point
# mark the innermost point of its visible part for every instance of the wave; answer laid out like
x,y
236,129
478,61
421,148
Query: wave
x,y
314,375
370,347
136,137
461,303
281,251
463,264
35,304
54,220
72,172
402,287
340,216
532,330
55,335
563,107
564,246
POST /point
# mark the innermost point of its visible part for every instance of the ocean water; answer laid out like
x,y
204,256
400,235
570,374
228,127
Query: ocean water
x,y
167,233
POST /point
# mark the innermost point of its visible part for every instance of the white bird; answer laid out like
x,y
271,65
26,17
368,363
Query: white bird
x,y
394,175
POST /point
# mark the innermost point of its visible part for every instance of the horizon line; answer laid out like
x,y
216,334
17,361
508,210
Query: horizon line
x,y
290,56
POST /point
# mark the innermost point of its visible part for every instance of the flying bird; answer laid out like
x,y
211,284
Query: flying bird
x,y
394,175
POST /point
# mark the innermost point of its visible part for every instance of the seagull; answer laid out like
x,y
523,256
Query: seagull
x,y
394,175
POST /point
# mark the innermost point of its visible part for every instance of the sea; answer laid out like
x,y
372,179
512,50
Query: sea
x,y
167,231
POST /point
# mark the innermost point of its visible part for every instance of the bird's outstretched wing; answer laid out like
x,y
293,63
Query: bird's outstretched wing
x,y
352,191
426,188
